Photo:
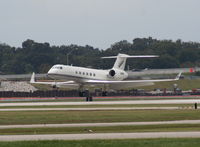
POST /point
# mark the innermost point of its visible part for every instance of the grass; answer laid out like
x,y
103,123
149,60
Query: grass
x,y
109,129
48,117
181,142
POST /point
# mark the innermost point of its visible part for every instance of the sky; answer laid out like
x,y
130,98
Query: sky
x,y
99,23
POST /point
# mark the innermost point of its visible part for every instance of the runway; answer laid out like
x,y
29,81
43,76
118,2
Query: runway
x,y
100,124
177,101
93,109
100,136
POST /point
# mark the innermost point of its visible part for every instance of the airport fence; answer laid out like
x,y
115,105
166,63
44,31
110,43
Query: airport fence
x,y
51,93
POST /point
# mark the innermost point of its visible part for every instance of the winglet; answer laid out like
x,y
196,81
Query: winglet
x,y
32,78
178,76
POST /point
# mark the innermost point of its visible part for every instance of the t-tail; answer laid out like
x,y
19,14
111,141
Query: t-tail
x,y
121,59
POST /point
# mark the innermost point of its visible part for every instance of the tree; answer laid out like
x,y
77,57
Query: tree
x,y
39,57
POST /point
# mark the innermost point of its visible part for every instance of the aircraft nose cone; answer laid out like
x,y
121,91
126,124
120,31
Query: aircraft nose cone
x,y
51,71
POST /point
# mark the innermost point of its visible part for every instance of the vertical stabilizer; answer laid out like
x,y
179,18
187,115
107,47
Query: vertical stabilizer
x,y
120,61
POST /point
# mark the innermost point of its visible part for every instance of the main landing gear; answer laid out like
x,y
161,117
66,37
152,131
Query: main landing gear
x,y
88,95
85,93
104,93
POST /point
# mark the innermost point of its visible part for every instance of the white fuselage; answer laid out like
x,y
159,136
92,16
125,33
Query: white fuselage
x,y
81,74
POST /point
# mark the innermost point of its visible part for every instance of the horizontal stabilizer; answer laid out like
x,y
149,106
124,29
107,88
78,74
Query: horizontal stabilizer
x,y
128,56
121,59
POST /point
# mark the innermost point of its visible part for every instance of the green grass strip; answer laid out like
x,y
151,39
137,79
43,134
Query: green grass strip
x,y
176,142
110,129
56,117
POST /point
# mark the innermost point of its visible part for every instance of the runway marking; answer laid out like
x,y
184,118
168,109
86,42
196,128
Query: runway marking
x,y
92,109
190,101
100,136
100,124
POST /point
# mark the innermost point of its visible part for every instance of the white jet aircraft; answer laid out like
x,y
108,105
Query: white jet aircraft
x,y
115,78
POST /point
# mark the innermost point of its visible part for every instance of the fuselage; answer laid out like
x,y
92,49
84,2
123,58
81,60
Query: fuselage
x,y
81,74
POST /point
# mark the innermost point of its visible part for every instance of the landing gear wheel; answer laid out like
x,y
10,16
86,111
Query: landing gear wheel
x,y
104,93
82,93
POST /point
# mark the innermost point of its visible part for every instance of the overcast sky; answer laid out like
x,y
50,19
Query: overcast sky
x,y
98,23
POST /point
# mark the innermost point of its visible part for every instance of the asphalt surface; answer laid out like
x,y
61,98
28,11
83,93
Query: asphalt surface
x,y
100,136
177,101
100,124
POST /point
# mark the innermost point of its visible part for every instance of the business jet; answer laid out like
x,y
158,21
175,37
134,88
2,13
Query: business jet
x,y
114,78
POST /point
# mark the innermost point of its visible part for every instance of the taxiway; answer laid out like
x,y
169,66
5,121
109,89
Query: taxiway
x,y
100,124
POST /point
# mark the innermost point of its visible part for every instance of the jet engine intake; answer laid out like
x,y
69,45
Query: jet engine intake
x,y
112,73
54,86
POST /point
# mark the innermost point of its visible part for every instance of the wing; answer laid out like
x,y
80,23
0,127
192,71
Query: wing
x,y
133,81
32,81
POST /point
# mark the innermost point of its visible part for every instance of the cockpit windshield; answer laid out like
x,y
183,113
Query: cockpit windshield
x,y
57,67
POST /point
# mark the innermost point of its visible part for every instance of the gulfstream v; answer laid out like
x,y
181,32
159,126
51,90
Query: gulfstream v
x,y
114,78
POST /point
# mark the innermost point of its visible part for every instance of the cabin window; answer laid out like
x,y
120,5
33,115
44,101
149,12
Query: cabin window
x,y
79,72
94,74
87,73
76,72
90,74
83,73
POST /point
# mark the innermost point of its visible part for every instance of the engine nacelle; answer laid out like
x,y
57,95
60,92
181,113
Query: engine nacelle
x,y
112,73
116,74
54,86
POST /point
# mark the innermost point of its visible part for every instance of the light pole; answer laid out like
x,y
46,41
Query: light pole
x,y
69,54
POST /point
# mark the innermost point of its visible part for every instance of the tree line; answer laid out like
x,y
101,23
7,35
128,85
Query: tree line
x,y
39,57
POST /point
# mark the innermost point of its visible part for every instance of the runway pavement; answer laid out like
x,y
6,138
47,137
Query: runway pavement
x,y
100,124
100,136
176,101
93,109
